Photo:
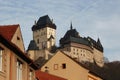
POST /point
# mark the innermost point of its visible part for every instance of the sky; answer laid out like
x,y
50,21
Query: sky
x,y
94,18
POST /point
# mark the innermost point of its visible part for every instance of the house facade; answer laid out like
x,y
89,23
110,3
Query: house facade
x,y
64,66
14,64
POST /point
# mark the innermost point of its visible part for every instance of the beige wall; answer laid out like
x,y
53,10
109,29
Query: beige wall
x,y
31,54
73,70
9,66
79,51
84,53
99,58
43,35
18,40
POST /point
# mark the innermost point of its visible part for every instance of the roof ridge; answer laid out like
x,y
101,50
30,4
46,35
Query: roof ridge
x,y
10,25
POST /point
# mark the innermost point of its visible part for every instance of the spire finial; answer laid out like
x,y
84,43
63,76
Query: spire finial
x,y
98,41
52,20
71,27
35,22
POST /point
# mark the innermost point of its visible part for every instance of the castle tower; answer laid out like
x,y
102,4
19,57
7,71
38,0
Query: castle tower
x,y
44,32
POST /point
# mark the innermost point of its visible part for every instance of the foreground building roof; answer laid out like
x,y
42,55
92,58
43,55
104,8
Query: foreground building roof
x,y
8,31
45,76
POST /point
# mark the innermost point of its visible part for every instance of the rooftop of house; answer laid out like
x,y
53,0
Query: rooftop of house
x,y
43,22
8,31
46,76
41,62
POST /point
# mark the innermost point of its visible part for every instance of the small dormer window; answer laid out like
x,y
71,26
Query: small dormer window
x,y
18,38
63,66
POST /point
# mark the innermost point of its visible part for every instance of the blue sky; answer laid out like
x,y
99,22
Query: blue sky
x,y
94,18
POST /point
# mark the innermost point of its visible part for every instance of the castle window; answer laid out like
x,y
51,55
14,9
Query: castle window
x,y
73,49
73,52
84,55
77,49
77,53
38,41
63,66
81,50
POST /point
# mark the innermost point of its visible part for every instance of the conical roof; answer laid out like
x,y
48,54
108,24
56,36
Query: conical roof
x,y
33,45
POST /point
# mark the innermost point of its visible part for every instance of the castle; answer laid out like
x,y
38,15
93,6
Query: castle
x,y
82,49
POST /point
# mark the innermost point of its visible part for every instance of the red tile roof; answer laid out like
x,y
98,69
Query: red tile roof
x,y
45,76
7,31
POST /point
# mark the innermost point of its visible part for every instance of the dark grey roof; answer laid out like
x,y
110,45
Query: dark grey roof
x,y
73,36
95,44
43,22
68,34
33,45
80,40
40,62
